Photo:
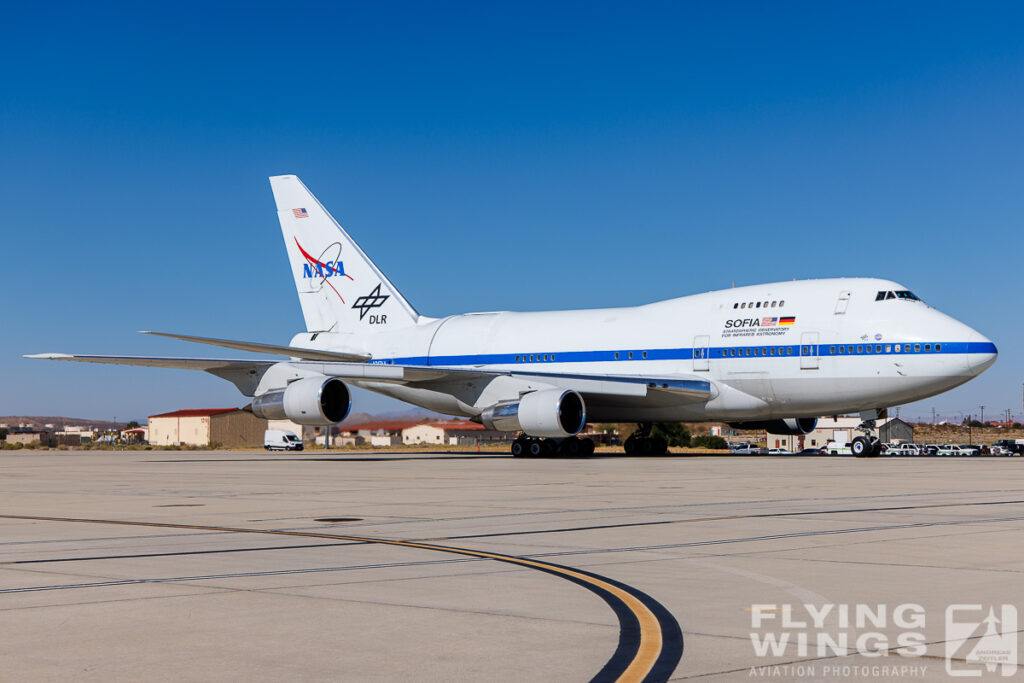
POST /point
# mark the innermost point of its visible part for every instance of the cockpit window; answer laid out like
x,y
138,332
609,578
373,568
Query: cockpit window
x,y
901,294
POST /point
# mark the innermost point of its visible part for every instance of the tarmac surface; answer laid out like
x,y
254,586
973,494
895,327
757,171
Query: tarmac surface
x,y
188,566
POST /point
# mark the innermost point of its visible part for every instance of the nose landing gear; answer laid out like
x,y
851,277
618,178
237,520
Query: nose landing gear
x,y
867,446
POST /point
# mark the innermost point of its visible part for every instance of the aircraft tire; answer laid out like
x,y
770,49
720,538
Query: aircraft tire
x,y
518,448
536,448
549,446
659,446
587,447
570,447
860,447
630,446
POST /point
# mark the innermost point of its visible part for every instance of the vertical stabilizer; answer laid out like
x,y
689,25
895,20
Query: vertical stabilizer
x,y
340,288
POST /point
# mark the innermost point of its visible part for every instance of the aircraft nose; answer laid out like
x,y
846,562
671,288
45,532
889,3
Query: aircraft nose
x,y
981,353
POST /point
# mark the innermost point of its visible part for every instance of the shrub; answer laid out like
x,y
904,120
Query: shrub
x,y
706,441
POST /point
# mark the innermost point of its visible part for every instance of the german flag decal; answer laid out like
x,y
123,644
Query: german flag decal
x,y
787,321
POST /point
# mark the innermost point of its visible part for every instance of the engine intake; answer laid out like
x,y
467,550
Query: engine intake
x,y
316,401
791,426
554,413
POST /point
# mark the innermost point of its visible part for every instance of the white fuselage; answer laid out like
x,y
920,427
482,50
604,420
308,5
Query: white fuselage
x,y
789,349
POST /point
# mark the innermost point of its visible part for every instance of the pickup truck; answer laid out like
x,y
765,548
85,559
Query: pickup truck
x,y
744,448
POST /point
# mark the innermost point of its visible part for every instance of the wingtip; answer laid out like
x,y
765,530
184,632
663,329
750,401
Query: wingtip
x,y
46,356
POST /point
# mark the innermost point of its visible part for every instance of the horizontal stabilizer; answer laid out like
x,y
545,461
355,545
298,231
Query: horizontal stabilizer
x,y
256,347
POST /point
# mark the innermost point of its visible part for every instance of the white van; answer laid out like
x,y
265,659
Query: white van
x,y
837,448
281,440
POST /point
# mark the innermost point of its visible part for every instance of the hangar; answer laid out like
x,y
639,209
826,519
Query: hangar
x,y
206,427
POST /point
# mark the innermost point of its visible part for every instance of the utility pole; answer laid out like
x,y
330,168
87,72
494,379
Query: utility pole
x,y
933,414
982,414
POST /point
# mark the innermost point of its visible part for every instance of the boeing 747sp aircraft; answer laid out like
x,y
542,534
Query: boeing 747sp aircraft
x,y
774,356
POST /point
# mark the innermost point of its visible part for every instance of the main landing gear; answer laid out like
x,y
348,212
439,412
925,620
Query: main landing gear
x,y
641,442
571,447
868,445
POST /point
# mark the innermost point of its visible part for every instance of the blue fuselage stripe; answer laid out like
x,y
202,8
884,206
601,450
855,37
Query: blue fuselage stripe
x,y
767,352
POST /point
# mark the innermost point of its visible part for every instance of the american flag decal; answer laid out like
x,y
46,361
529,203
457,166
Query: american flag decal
x,y
769,322
300,213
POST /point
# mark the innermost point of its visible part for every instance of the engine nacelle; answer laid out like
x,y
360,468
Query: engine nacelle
x,y
317,401
791,426
554,413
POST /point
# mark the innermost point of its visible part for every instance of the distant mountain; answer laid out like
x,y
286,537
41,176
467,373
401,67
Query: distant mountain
x,y
59,423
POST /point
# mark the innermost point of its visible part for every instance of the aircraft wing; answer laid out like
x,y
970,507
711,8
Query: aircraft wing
x,y
256,347
207,364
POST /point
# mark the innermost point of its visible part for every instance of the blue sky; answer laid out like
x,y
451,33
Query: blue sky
x,y
493,157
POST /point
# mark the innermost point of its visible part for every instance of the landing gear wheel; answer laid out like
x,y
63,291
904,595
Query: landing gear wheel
x,y
647,446
631,445
519,448
861,447
658,446
549,446
536,448
570,447
586,447
876,449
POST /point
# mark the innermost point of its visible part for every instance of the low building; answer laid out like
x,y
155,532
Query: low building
x,y
135,435
30,436
454,433
206,427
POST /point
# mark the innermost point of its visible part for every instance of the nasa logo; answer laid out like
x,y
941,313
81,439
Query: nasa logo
x,y
328,265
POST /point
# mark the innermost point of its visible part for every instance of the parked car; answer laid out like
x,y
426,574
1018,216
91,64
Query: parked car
x,y
744,448
970,449
1014,446
778,451
836,448
908,449
812,451
950,449
281,440
998,450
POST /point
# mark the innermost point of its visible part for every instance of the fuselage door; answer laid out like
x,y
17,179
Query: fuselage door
x,y
809,351
842,302
701,359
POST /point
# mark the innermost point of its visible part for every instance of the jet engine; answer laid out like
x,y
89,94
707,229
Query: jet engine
x,y
791,426
317,401
556,413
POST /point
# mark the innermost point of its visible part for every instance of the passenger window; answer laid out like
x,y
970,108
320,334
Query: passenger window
x,y
552,356
860,348
868,348
897,348
616,355
789,350
531,358
735,305
781,304
849,349
771,351
747,353
732,352
780,350
888,348
938,347
773,303
644,354
757,352
842,349
927,347
759,304
766,304
545,356
517,359
630,355
917,348
743,305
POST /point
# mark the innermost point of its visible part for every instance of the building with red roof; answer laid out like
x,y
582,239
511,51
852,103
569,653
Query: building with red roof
x,y
207,427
